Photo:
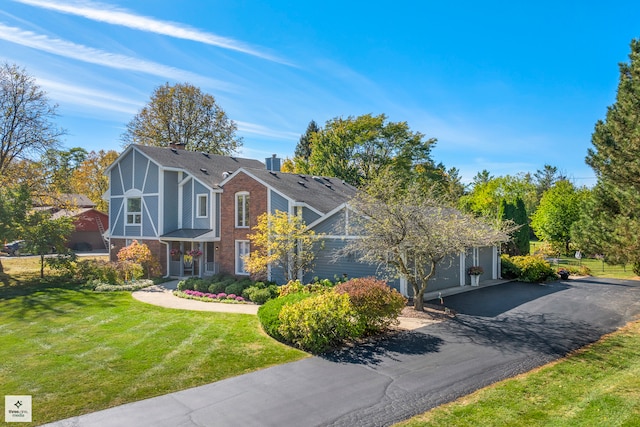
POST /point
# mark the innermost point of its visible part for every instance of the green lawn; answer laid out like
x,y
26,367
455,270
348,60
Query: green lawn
x,y
76,351
598,267
597,386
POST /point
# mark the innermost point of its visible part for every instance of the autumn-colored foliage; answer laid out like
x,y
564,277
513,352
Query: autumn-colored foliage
x,y
377,305
140,254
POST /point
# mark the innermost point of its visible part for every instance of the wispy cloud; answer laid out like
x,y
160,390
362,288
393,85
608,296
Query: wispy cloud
x,y
100,57
256,129
88,97
118,16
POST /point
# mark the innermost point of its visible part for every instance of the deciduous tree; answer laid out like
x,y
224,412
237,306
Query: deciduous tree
x,y
183,114
26,127
357,149
14,203
412,232
559,208
281,241
43,234
89,178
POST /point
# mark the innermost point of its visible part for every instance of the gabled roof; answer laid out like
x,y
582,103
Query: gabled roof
x,y
208,168
72,200
321,193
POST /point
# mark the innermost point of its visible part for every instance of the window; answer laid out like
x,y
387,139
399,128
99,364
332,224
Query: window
x,y
203,206
134,210
242,210
242,250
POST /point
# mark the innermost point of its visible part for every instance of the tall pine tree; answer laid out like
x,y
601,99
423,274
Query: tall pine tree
x,y
616,161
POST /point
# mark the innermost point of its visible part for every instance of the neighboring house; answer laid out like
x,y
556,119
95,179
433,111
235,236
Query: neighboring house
x,y
195,212
90,224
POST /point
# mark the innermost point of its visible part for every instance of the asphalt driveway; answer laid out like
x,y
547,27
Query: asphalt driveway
x,y
499,332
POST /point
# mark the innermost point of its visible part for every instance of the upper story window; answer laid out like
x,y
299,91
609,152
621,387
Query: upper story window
x,y
202,208
242,210
134,210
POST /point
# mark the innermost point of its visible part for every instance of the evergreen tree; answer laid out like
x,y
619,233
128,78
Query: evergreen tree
x,y
303,149
517,213
615,160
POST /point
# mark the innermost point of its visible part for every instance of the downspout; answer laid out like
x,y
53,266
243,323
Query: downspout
x,y
168,259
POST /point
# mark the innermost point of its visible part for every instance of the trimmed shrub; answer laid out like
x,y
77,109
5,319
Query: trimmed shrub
x,y
201,285
377,305
509,270
216,287
234,288
533,269
269,313
188,283
260,296
320,322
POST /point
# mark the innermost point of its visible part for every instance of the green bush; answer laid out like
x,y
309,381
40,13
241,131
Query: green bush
x,y
268,314
234,288
377,305
320,322
260,296
188,284
578,270
533,268
217,287
509,270
201,285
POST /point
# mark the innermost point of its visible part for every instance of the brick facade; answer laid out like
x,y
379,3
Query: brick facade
x,y
229,234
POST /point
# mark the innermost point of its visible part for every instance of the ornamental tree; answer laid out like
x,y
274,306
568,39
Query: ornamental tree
x,y
140,253
281,241
412,231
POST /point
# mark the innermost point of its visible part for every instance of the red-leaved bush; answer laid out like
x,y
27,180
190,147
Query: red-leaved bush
x,y
377,305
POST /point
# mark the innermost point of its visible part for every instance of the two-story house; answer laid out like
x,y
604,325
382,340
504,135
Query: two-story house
x,y
195,211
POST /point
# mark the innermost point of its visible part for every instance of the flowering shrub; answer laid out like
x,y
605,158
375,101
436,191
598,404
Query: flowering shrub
x,y
221,295
134,286
377,305
195,253
475,270
208,297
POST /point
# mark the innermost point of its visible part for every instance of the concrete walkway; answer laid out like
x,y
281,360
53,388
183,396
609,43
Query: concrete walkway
x,y
162,295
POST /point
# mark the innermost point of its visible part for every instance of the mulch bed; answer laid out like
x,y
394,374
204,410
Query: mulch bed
x,y
431,312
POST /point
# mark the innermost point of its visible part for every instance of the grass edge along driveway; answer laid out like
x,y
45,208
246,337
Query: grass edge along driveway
x,y
595,386
76,351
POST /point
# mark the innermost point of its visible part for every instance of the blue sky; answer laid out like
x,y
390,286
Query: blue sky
x,y
504,86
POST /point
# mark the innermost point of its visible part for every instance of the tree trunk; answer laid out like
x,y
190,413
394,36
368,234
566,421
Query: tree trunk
x,y
418,301
42,266
1,267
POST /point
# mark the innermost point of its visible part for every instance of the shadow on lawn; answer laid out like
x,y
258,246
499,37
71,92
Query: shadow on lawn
x,y
39,297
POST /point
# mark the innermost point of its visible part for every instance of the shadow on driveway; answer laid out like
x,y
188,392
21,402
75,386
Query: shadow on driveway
x,y
379,350
495,300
